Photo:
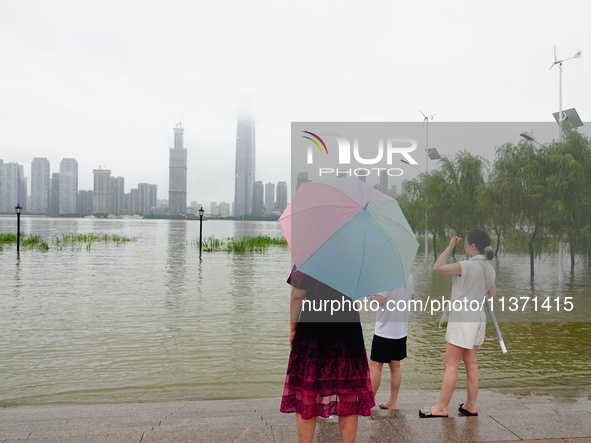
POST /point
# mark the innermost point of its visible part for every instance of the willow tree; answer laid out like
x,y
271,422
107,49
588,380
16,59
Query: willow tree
x,y
438,193
569,183
520,177
464,175
424,202
490,201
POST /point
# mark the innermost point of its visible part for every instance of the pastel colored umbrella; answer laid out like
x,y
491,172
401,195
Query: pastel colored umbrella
x,y
349,236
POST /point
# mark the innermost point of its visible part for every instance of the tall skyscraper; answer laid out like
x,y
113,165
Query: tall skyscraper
x,y
101,191
281,199
68,186
177,174
269,197
245,167
40,178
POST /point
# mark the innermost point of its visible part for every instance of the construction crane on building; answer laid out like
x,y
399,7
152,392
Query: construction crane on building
x,y
100,167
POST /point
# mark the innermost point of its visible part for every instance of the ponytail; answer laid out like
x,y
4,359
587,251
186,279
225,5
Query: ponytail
x,y
481,239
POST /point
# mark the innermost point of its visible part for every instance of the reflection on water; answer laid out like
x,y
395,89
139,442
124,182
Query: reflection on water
x,y
176,262
148,320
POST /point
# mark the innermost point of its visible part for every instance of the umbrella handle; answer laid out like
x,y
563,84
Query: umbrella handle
x,y
493,320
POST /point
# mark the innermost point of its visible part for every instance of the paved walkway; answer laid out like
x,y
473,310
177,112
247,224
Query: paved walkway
x,y
560,414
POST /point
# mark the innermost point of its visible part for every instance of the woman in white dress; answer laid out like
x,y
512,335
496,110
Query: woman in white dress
x,y
472,280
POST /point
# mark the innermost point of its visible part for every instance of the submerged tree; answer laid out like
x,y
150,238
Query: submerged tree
x,y
447,197
520,177
569,182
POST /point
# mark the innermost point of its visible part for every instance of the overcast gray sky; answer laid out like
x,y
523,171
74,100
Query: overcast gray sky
x,y
106,81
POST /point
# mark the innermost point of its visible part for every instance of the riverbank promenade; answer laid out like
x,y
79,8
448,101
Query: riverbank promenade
x,y
532,414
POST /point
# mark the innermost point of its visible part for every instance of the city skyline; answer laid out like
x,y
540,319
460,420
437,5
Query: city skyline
x,y
72,90
107,195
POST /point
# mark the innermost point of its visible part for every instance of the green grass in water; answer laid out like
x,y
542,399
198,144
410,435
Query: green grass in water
x,y
75,241
258,244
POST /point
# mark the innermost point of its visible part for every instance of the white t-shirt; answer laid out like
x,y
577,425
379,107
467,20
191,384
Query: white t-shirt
x,y
390,321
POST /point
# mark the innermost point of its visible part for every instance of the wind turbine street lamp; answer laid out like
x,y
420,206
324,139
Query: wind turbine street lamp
x,y
561,119
430,153
561,116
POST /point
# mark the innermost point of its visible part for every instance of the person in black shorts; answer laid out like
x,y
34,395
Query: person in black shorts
x,y
389,341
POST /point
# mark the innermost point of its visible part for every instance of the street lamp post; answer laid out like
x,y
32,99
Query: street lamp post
x,y
426,216
426,119
432,154
201,212
528,137
18,210
561,118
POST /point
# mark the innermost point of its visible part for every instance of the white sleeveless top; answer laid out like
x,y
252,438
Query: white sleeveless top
x,y
467,319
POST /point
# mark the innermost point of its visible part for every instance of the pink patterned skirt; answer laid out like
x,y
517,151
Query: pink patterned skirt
x,y
328,372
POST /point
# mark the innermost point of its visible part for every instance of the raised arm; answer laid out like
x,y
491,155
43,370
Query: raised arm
x,y
443,268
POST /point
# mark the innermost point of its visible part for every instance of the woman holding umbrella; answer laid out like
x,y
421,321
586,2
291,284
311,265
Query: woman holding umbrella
x,y
473,280
328,372
348,240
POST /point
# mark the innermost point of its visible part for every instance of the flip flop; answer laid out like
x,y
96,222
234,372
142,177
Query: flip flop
x,y
383,406
428,414
466,412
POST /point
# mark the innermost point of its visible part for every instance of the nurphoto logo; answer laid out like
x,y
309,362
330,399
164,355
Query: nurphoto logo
x,y
368,153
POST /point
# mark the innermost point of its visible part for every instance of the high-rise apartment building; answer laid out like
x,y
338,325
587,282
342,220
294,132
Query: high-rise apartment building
x,y
147,198
269,197
383,186
40,180
245,167
281,199
133,202
177,174
117,205
84,202
258,198
13,187
1,185
54,194
302,177
101,191
224,209
68,184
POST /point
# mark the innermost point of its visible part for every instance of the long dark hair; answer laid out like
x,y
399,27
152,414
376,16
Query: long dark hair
x,y
481,239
